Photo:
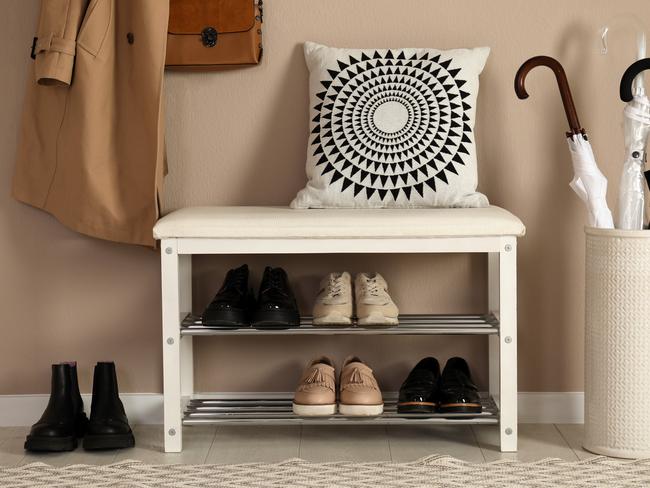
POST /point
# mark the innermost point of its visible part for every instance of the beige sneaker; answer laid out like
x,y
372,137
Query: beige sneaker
x,y
360,395
333,304
316,392
374,304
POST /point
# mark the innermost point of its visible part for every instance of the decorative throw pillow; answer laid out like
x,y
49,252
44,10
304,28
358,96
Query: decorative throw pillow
x,y
392,128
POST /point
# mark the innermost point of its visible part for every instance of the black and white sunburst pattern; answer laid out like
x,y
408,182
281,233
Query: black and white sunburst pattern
x,y
388,124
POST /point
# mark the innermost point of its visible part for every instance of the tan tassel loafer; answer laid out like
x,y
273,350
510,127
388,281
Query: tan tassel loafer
x,y
359,395
316,392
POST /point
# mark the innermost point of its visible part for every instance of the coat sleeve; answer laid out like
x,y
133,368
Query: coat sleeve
x,y
56,39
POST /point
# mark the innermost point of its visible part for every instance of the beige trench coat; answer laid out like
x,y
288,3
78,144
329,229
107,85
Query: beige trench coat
x,y
91,149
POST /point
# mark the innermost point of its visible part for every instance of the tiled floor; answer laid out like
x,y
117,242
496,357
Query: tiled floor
x,y
240,444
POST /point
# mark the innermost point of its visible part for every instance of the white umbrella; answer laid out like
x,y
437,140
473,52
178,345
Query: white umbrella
x,y
637,128
588,182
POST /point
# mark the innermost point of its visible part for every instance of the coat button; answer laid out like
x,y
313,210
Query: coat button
x,y
130,37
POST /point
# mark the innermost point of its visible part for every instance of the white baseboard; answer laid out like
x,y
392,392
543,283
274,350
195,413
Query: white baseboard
x,y
147,408
551,407
19,410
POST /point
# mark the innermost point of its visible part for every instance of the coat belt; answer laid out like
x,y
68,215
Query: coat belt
x,y
57,44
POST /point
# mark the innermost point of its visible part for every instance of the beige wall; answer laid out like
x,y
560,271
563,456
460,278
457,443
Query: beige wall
x,y
239,138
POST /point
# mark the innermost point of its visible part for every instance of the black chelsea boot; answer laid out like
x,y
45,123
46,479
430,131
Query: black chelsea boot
x,y
63,419
81,421
108,427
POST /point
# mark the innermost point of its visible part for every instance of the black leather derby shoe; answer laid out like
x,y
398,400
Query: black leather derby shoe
x,y
419,392
458,393
276,305
231,306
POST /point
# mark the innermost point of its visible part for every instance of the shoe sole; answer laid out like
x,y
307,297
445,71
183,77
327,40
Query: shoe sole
x,y
314,410
416,407
108,441
50,444
226,319
333,318
361,410
461,408
276,319
377,319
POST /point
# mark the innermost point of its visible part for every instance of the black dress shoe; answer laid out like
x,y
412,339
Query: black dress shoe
x,y
458,393
63,419
276,306
108,427
231,306
419,392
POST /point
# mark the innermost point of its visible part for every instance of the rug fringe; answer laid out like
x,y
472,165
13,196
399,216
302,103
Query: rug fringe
x,y
430,460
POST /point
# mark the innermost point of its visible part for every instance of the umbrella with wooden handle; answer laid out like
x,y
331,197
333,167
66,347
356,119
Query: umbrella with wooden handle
x,y
588,182
562,83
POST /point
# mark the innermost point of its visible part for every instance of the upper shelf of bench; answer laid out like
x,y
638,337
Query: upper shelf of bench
x,y
284,222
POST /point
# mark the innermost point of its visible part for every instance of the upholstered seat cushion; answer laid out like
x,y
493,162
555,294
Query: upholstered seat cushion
x,y
283,222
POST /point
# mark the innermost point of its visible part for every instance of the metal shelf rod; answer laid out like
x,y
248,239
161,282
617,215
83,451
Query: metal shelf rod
x,y
422,324
279,411
340,421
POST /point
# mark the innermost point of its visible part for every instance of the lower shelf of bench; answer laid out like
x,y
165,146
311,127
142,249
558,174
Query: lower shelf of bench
x,y
278,411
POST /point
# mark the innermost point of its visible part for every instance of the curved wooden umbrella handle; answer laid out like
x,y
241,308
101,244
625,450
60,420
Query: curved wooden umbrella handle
x,y
628,78
563,85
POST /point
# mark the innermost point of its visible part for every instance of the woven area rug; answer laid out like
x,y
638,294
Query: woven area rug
x,y
433,471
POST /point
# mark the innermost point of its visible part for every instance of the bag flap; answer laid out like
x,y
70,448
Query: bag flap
x,y
226,16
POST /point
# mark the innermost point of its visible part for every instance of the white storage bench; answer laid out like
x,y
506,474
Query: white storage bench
x,y
280,230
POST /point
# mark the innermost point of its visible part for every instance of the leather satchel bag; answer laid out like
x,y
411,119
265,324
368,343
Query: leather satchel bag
x,y
207,35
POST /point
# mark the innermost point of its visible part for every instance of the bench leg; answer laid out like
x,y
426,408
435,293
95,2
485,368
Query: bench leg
x,y
187,342
177,375
502,277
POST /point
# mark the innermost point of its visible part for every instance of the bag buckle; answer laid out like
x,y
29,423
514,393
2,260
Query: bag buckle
x,y
209,36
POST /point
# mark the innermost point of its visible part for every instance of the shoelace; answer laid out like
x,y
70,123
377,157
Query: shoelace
x,y
274,280
334,286
235,280
373,288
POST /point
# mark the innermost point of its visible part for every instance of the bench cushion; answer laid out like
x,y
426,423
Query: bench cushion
x,y
283,222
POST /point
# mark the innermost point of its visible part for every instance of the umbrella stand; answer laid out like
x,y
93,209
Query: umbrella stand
x,y
588,182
